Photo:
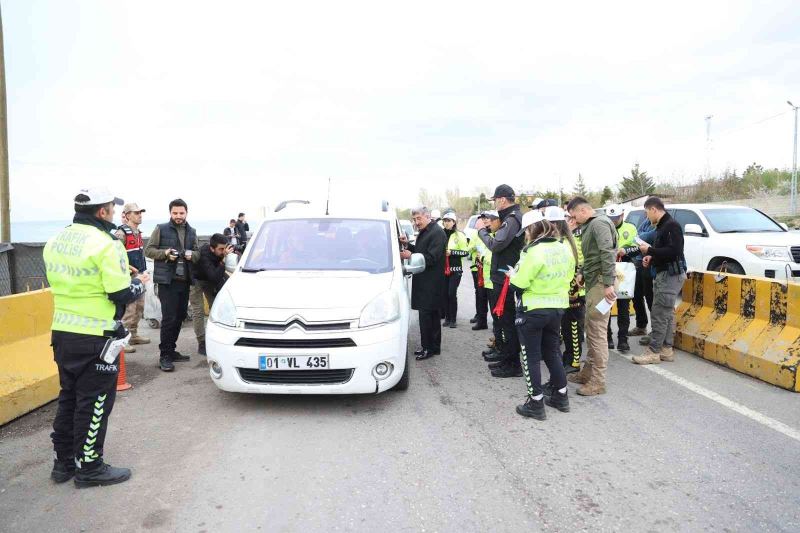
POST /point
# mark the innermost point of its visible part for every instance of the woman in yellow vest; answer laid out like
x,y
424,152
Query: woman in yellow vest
x,y
541,282
456,250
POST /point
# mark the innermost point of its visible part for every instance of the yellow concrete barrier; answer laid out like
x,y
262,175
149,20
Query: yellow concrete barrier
x,y
28,375
751,325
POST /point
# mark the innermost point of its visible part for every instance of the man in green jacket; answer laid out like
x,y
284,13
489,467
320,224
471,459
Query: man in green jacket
x,y
599,247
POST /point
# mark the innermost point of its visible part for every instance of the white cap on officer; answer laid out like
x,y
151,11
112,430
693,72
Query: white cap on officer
x,y
489,213
614,211
97,196
554,213
450,216
531,217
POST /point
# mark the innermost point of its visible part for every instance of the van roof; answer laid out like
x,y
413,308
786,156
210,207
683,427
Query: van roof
x,y
312,210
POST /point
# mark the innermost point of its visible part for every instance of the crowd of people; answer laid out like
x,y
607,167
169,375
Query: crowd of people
x,y
547,279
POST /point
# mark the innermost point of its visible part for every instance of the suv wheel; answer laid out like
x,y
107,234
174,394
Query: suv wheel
x,y
732,266
406,378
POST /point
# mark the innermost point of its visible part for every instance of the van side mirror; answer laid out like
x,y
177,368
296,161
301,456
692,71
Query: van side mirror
x,y
694,229
415,265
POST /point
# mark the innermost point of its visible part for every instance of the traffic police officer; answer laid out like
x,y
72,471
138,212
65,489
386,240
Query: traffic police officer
x,y
541,282
626,252
455,251
87,269
572,321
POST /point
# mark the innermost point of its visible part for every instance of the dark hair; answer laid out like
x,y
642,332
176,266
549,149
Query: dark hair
x,y
577,201
217,239
232,220
241,215
654,201
89,209
177,202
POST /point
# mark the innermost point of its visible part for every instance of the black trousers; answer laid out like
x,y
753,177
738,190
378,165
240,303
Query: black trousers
x,y
623,320
481,299
507,327
88,390
174,300
451,309
430,329
540,333
643,293
572,332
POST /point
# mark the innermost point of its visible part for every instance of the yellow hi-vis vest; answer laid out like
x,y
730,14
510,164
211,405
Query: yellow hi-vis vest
x,y
544,273
84,265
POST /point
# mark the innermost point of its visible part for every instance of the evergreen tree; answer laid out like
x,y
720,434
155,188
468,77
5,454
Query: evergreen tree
x,y
580,187
638,184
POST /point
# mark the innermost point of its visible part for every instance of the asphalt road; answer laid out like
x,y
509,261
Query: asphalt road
x,y
690,447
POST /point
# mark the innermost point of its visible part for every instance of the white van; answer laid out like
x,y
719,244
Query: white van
x,y
738,239
319,304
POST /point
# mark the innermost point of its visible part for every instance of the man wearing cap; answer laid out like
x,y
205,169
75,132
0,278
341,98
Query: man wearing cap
x,y
173,248
505,245
599,246
627,250
428,288
131,238
457,248
490,220
87,269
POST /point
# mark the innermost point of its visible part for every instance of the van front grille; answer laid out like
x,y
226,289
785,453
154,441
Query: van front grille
x,y
296,377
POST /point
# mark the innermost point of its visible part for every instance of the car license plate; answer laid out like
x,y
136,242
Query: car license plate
x,y
293,362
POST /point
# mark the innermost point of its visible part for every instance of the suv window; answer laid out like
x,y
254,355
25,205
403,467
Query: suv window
x,y
636,218
322,244
685,216
740,220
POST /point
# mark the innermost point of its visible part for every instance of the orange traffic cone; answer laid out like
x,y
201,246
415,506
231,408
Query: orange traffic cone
x,y
122,376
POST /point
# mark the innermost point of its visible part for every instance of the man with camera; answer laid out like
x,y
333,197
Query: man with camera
x,y
209,276
173,248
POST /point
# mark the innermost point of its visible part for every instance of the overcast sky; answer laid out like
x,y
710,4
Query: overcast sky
x,y
237,104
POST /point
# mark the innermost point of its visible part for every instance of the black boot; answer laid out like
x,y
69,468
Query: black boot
x,y
178,356
497,364
453,324
479,326
488,351
63,470
165,363
610,344
511,370
101,476
559,400
201,348
419,351
533,409
496,356
473,319
623,346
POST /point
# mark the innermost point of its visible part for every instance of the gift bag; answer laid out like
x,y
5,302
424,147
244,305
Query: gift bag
x,y
625,280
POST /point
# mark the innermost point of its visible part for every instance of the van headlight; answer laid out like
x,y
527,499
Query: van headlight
x,y
223,311
382,309
770,253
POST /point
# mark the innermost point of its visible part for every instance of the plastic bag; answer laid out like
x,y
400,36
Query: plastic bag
x,y
625,280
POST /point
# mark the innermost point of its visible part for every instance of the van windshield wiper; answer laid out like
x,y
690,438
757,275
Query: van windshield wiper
x,y
253,269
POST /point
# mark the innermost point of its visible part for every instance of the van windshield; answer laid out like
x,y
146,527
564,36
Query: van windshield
x,y
740,220
321,244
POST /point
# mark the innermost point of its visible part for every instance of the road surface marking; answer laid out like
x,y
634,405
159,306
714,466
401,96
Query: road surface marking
x,y
778,426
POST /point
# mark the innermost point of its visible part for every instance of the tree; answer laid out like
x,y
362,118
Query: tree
x,y
403,214
462,205
606,195
580,187
638,184
431,201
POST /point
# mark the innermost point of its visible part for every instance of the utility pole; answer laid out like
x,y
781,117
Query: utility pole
x,y
5,194
794,162
708,146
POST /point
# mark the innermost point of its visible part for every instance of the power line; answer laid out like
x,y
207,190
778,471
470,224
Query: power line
x,y
730,131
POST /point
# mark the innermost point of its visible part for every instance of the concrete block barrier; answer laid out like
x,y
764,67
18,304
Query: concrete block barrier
x,y
28,375
748,324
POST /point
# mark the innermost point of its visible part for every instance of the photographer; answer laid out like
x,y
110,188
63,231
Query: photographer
x,y
173,247
209,277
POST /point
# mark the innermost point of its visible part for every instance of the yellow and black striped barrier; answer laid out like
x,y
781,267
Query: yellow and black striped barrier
x,y
748,324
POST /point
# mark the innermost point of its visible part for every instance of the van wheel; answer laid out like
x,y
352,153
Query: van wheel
x,y
405,380
733,266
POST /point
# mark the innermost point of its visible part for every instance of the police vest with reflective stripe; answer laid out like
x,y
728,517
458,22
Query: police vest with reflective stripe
x,y
84,265
134,244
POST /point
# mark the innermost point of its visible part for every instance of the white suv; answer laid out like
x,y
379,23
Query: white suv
x,y
319,304
744,239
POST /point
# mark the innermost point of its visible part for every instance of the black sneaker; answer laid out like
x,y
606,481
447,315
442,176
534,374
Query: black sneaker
x,y
201,348
497,364
507,371
101,476
496,356
178,356
62,470
479,326
488,351
165,364
452,324
473,319
533,409
559,400
623,346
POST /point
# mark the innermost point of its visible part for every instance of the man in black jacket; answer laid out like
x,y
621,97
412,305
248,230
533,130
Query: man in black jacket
x,y
505,245
666,257
242,227
428,287
209,276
